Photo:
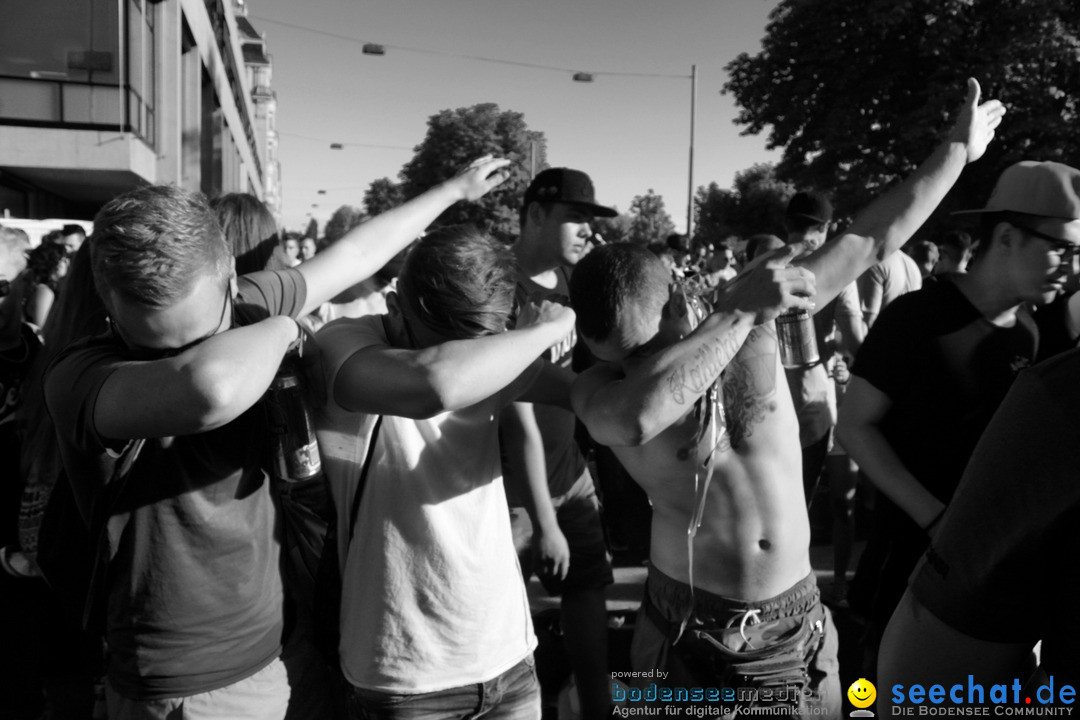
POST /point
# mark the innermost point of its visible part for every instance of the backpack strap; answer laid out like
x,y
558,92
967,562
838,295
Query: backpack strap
x,y
355,510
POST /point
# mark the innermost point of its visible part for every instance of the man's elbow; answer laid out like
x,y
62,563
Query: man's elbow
x,y
444,395
215,397
422,405
624,432
434,392
645,428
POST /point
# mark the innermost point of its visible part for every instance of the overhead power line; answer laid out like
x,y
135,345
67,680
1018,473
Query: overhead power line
x,y
478,58
345,144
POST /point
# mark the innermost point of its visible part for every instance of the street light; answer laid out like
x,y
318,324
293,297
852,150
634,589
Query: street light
x,y
585,77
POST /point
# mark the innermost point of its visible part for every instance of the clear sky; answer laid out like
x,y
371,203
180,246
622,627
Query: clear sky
x,y
629,132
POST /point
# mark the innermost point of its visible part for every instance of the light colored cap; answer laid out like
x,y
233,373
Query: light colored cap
x,y
1049,190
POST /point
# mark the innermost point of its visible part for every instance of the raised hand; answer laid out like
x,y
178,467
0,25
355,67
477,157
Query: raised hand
x,y
683,310
481,175
976,122
770,286
557,314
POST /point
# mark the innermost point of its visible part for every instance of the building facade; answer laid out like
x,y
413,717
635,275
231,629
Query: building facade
x,y
102,96
259,75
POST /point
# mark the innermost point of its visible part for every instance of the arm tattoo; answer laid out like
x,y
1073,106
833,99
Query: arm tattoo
x,y
687,382
749,385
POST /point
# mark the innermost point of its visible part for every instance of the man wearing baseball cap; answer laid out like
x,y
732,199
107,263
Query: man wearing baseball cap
x,y
807,221
938,362
995,556
554,510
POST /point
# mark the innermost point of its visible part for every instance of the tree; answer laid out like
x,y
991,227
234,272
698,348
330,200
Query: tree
x,y
713,209
614,229
455,138
382,195
649,221
858,92
754,205
344,219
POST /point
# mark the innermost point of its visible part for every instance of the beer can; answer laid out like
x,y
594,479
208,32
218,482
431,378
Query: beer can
x,y
295,451
797,339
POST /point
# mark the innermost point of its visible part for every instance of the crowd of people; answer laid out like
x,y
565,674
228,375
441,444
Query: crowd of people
x,y
459,408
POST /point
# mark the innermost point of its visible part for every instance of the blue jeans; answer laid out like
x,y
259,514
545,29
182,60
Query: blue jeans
x,y
514,695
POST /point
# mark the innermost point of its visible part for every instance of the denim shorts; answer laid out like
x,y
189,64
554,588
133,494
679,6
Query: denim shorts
x,y
781,650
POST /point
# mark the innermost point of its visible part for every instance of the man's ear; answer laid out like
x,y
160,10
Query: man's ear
x,y
393,304
1005,234
535,213
234,287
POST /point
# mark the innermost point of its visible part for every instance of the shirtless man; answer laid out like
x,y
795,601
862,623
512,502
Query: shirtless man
x,y
745,580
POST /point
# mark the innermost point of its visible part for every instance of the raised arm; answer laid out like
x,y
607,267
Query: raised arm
x,y
632,408
888,222
372,244
450,376
198,390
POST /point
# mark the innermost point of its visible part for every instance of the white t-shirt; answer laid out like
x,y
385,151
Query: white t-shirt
x,y
894,276
432,591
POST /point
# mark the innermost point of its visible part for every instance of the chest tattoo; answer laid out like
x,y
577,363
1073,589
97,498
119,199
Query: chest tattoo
x,y
749,385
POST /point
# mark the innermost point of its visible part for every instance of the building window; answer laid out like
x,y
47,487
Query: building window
x,y
60,63
142,69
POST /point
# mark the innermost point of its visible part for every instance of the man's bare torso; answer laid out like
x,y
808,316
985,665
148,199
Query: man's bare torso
x,y
753,542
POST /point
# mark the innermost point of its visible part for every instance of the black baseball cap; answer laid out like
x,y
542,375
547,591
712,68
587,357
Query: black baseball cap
x,y
566,186
811,206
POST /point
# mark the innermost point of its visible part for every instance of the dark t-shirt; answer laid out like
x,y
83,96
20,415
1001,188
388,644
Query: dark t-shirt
x,y
195,594
1053,326
14,365
564,461
945,369
1002,565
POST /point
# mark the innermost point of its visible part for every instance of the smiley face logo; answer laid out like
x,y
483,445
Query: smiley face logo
x,y
862,693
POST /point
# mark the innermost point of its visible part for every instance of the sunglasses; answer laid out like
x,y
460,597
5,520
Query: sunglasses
x,y
149,354
1065,247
